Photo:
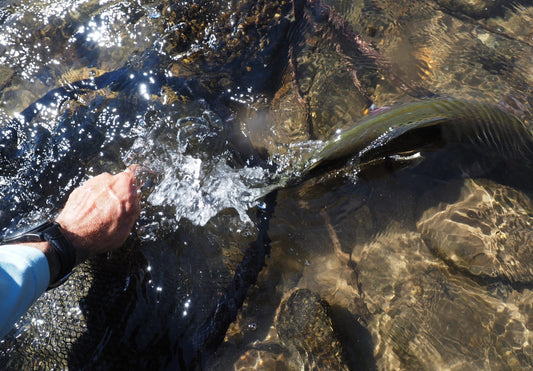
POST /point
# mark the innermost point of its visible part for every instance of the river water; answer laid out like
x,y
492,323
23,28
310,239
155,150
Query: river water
x,y
424,261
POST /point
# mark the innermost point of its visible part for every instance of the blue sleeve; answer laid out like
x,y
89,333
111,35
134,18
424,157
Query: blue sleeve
x,y
24,276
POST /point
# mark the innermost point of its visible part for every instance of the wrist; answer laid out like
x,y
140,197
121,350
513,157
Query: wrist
x,y
51,256
75,241
48,237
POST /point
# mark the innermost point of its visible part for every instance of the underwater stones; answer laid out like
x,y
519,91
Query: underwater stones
x,y
423,315
487,233
304,326
396,258
301,337
261,360
473,8
6,74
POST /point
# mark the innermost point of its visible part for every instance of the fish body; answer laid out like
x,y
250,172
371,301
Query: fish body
x,y
423,125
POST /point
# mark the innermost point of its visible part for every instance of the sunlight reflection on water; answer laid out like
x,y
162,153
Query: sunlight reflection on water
x,y
418,272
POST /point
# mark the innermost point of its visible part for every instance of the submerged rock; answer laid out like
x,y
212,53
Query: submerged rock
x,y
302,336
473,8
487,233
304,326
424,316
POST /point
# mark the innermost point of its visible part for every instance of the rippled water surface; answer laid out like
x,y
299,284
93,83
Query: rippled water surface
x,y
418,261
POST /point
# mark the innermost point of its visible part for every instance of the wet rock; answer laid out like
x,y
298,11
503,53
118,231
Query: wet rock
x,y
424,316
304,326
473,8
261,360
487,233
6,74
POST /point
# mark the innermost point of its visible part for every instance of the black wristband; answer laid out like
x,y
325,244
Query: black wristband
x,y
50,232
64,251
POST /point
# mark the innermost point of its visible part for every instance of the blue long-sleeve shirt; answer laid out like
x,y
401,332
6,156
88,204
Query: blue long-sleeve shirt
x,y
24,276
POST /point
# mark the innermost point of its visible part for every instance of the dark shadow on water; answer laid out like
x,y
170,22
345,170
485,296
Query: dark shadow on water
x,y
448,166
159,305
120,321
357,342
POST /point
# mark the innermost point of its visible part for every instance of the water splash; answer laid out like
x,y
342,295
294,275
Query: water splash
x,y
198,190
195,179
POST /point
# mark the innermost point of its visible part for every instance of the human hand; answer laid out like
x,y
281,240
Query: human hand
x,y
100,214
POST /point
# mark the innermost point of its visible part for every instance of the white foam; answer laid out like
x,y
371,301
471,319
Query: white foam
x,y
199,191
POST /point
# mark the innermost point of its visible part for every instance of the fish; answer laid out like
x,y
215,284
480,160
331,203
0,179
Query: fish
x,y
424,125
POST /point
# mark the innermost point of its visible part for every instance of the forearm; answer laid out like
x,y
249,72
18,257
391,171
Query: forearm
x,y
51,257
24,276
97,218
26,270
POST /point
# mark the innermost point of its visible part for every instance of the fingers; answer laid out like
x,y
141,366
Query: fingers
x,y
126,186
122,186
132,168
128,173
98,215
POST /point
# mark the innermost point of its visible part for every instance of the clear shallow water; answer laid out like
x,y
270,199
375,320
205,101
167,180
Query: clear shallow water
x,y
173,86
